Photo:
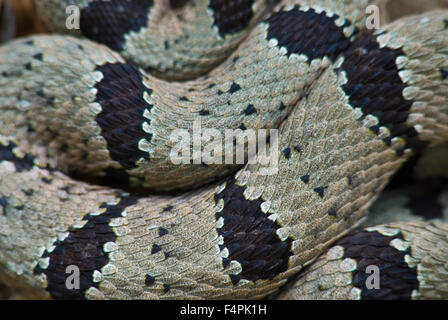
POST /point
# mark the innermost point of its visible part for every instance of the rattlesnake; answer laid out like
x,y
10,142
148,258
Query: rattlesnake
x,y
351,106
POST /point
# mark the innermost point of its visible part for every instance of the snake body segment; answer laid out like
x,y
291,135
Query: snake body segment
x,y
351,106
405,253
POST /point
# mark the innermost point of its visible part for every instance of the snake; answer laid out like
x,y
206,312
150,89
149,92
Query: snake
x,y
87,180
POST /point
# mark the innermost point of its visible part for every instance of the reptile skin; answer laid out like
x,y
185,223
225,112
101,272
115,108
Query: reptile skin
x,y
86,177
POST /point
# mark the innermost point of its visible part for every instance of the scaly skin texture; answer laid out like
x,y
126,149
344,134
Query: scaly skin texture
x,y
163,106
175,43
417,247
351,107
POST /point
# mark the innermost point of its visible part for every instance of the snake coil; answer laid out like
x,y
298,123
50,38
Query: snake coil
x,y
84,109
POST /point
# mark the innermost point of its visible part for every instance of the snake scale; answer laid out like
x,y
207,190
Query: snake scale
x,y
86,177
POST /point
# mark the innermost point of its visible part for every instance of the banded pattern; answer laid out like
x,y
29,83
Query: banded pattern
x,y
83,248
231,16
351,107
383,262
177,43
250,237
108,21
375,87
398,279
122,97
315,35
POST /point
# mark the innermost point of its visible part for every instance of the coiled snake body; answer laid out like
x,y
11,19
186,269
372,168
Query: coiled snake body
x,y
351,106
